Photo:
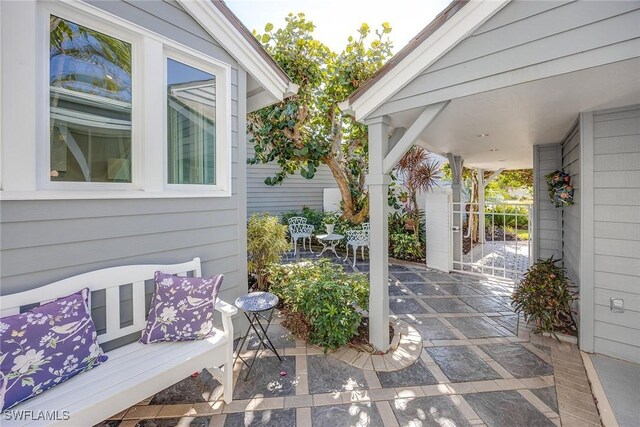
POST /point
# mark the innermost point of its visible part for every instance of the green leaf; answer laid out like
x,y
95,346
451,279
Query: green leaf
x,y
265,38
268,27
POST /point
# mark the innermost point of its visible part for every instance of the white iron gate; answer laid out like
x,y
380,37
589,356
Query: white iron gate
x,y
494,239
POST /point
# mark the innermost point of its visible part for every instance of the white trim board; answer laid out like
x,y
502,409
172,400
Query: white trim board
x,y
604,408
216,24
457,28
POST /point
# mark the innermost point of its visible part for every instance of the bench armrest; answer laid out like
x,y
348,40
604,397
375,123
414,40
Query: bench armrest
x,y
225,308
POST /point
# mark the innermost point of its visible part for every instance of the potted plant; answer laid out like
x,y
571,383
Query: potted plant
x,y
560,188
544,298
330,220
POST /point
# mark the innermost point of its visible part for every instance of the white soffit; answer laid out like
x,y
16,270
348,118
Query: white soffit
x,y
517,117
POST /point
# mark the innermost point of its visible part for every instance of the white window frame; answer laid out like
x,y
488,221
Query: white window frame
x,y
30,162
44,143
222,73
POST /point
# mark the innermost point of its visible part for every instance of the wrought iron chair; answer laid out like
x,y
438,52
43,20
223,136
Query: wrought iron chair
x,y
357,239
299,229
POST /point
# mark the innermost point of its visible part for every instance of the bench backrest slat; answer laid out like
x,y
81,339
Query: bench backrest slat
x,y
109,279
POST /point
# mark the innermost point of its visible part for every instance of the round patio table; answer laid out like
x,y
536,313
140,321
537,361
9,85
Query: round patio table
x,y
254,306
329,241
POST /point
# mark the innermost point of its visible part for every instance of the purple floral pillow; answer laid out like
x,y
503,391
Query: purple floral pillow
x,y
46,346
181,308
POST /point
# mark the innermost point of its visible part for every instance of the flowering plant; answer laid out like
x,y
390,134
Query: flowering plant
x,y
560,188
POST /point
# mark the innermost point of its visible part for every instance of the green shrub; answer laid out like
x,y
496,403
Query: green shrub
x,y
314,217
318,219
266,242
505,216
544,298
406,246
328,297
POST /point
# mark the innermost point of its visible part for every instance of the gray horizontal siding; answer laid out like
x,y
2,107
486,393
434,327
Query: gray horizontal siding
x,y
547,234
571,214
167,18
293,194
616,165
47,240
522,35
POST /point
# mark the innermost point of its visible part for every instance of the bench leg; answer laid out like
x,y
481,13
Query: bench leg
x,y
228,382
227,373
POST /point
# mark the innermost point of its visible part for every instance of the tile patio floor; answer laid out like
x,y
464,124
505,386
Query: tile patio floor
x,y
473,371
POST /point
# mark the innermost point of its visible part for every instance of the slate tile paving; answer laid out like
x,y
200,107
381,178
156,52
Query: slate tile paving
x,y
275,417
544,348
278,334
361,267
425,289
415,375
507,322
265,379
320,386
461,364
548,396
432,329
398,267
328,375
436,411
403,305
448,305
438,276
519,361
506,409
176,422
354,414
485,304
459,289
406,277
397,290
194,389
477,327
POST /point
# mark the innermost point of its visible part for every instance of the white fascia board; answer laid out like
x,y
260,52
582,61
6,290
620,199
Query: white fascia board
x,y
452,32
217,25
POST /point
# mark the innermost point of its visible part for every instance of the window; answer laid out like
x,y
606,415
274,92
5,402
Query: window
x,y
191,125
90,96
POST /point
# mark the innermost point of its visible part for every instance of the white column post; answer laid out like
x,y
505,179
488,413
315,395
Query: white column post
x,y
456,163
378,183
481,188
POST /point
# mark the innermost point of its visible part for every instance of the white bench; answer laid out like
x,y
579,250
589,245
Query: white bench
x,y
133,372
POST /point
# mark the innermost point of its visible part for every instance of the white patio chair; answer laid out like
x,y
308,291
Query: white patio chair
x,y
299,229
357,239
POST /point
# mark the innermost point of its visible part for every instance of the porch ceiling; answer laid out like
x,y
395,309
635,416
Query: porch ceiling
x,y
517,117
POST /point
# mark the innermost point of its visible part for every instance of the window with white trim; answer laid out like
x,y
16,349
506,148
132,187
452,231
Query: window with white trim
x,y
191,125
96,123
90,93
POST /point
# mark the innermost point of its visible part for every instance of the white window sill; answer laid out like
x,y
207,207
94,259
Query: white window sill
x,y
96,195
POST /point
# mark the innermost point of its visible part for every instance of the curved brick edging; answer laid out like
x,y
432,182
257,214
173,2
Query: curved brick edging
x,y
405,349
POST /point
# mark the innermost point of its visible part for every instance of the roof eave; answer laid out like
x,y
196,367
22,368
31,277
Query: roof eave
x,y
448,29
222,24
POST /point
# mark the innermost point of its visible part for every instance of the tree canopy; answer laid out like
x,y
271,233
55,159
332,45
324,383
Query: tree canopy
x,y
308,129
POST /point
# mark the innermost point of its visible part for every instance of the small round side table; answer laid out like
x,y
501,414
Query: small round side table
x,y
254,306
329,241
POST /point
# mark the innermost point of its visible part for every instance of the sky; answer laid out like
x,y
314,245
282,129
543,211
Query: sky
x,y
336,20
